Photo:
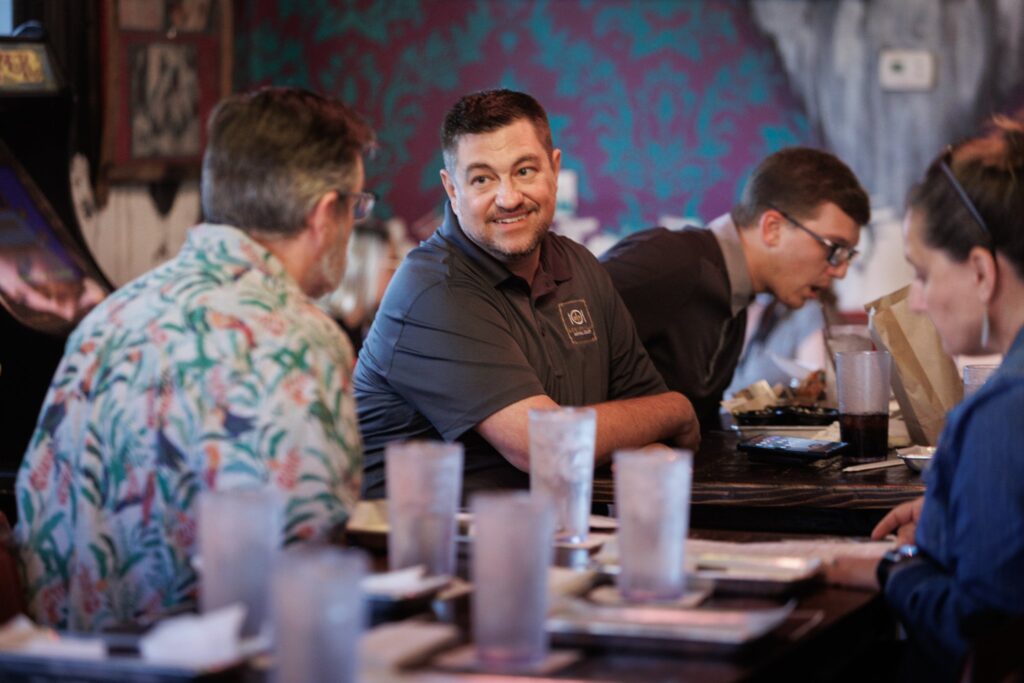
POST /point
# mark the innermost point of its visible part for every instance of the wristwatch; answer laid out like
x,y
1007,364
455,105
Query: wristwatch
x,y
889,561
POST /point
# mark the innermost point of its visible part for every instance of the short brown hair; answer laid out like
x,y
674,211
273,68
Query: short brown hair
x,y
271,154
487,111
798,180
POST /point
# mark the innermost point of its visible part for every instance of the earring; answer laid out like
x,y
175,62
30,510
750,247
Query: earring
x,y
985,330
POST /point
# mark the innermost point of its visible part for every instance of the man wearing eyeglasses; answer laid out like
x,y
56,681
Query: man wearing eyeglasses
x,y
792,233
214,371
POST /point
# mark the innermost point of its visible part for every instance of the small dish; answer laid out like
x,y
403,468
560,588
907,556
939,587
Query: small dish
x,y
917,458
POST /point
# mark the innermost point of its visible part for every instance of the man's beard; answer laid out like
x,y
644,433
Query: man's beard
x,y
330,270
505,255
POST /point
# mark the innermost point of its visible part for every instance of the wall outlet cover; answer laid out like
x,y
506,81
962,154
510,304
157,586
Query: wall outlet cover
x,y
906,70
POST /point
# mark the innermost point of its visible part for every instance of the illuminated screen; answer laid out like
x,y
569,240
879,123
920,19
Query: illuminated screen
x,y
44,280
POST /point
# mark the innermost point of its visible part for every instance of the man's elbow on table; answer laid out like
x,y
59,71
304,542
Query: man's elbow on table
x,y
508,430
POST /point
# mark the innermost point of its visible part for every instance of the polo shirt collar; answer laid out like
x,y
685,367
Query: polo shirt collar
x,y
554,268
740,284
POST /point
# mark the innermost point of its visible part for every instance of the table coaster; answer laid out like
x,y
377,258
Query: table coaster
x,y
609,596
463,660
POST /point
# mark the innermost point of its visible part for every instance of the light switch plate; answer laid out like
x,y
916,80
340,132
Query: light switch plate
x,y
906,70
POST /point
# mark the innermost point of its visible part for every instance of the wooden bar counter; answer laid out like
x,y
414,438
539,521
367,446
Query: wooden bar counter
x,y
732,492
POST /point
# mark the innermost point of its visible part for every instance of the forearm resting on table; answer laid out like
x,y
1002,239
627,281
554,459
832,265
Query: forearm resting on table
x,y
627,423
638,422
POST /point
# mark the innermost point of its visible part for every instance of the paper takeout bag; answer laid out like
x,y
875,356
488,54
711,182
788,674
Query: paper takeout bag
x,y
925,379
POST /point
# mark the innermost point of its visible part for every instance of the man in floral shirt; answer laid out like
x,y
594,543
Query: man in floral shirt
x,y
213,371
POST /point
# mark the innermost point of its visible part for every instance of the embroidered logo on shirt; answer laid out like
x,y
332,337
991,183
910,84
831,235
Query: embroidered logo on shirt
x,y
576,319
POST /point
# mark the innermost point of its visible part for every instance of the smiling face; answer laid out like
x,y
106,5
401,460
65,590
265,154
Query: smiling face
x,y
944,289
502,188
798,267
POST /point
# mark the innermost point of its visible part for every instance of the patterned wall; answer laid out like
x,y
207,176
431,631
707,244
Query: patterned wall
x,y
661,106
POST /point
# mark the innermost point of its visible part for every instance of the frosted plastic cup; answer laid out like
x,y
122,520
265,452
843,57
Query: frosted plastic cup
x,y
562,466
863,384
319,613
975,376
652,502
424,482
512,552
239,537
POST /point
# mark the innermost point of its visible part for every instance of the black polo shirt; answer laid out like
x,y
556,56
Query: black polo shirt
x,y
458,337
687,291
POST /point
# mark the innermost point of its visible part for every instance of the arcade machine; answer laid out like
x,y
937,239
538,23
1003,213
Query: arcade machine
x,y
48,277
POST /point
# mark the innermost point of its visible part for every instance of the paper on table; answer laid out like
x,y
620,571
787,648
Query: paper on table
x,y
824,549
196,640
820,549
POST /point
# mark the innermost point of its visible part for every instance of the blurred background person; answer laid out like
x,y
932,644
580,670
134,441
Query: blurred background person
x,y
374,252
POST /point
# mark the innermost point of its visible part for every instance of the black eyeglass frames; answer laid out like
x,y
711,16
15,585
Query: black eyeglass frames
x,y
835,254
943,161
362,204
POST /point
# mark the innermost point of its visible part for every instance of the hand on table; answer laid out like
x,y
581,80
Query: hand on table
x,y
902,520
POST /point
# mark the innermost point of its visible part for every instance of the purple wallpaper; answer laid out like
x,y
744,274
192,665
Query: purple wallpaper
x,y
662,107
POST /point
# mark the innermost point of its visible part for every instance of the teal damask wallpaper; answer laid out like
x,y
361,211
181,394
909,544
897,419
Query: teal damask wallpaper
x,y
661,106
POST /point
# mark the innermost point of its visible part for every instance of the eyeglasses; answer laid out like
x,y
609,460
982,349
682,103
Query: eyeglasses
x,y
835,254
363,204
943,161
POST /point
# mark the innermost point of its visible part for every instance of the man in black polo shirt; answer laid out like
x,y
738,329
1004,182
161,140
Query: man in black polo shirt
x,y
793,232
494,315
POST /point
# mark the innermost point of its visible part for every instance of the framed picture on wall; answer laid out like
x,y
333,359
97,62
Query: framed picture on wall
x,y
166,64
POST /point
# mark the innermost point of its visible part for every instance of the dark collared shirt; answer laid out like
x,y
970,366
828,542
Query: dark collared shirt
x,y
458,337
971,532
687,291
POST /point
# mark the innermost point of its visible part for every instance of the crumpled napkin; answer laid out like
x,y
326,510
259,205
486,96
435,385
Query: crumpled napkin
x,y
197,641
403,583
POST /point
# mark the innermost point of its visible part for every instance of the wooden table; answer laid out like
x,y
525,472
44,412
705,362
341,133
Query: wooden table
x,y
731,492
832,631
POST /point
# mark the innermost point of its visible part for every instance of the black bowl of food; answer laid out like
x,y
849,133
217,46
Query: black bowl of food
x,y
808,416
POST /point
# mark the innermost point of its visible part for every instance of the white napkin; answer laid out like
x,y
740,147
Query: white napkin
x,y
403,583
197,641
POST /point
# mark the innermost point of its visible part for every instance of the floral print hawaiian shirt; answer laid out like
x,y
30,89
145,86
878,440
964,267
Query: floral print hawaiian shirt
x,y
213,371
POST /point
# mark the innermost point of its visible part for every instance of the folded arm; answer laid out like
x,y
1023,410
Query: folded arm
x,y
625,423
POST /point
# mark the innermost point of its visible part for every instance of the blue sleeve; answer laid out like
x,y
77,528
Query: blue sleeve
x,y
978,573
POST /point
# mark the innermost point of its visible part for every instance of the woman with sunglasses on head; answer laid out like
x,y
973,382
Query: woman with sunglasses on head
x,y
964,577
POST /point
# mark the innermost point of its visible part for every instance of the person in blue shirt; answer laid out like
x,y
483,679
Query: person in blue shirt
x,y
964,237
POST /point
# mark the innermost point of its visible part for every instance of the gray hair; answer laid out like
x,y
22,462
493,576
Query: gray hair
x,y
272,154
